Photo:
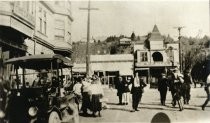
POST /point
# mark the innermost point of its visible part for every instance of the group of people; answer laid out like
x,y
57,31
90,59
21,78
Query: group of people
x,y
135,86
90,92
178,84
123,87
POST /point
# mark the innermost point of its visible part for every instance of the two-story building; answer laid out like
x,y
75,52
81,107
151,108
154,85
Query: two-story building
x,y
52,33
17,23
153,56
34,27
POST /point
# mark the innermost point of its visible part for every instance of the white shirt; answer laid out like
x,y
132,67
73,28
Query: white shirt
x,y
136,82
86,86
96,89
77,88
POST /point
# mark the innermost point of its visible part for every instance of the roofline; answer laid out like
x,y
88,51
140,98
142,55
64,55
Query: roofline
x,y
54,11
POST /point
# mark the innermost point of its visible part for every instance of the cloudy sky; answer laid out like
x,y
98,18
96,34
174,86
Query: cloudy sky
x,y
124,17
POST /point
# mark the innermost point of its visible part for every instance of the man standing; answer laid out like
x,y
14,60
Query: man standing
x,y
207,92
162,88
136,91
120,87
186,86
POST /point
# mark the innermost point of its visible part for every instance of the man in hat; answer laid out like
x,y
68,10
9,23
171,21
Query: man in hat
x,y
162,88
119,87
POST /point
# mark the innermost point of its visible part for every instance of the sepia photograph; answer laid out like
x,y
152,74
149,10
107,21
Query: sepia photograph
x,y
104,61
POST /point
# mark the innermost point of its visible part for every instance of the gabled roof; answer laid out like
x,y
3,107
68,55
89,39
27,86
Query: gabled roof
x,y
155,29
155,35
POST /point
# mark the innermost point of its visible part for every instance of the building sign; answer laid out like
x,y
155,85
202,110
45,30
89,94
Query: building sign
x,y
23,14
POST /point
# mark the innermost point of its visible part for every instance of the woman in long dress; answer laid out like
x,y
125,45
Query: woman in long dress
x,y
96,93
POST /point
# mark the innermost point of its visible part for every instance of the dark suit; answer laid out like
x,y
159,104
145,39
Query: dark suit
x,y
186,88
120,88
162,88
136,92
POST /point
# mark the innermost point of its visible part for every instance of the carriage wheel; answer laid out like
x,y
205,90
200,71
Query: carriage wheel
x,y
54,117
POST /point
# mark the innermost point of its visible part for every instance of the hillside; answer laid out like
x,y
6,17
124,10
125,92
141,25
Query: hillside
x,y
109,46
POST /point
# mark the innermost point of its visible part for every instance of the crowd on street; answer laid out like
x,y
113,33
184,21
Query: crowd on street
x,y
178,84
90,91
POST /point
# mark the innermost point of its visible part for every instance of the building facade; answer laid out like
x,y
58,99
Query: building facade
x,y
17,22
108,67
153,56
52,33
34,27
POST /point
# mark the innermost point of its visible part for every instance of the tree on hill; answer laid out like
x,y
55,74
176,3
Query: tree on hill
x,y
194,55
133,36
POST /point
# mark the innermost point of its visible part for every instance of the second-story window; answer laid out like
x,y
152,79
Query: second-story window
x,y
59,30
143,56
45,23
40,20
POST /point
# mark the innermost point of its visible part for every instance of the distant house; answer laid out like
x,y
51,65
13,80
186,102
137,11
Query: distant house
x,y
125,41
153,57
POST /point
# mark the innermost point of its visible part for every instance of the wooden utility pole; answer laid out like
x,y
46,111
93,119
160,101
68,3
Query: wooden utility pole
x,y
180,48
88,37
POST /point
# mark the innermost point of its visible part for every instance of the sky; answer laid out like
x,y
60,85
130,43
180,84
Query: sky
x,y
140,16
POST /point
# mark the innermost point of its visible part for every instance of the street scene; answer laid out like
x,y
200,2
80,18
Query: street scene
x,y
149,107
93,61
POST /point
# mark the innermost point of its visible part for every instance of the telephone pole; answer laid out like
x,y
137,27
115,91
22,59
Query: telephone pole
x,y
88,37
180,48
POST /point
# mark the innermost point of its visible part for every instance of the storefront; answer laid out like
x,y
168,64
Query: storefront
x,y
110,67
